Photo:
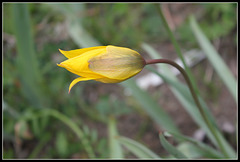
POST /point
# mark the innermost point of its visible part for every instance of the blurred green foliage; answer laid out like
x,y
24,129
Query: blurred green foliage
x,y
220,19
123,24
217,20
107,20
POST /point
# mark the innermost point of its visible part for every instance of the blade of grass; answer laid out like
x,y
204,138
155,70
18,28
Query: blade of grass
x,y
137,148
205,149
150,106
114,145
75,29
215,59
176,46
80,35
27,63
192,151
170,148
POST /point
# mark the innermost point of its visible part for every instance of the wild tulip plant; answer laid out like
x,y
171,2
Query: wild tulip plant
x,y
112,64
109,64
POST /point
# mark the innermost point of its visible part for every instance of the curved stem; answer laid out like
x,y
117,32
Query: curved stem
x,y
200,108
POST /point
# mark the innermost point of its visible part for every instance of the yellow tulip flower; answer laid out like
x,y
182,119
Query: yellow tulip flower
x,y
107,64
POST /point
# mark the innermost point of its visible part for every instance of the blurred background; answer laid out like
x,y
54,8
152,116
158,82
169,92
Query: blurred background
x,y
40,118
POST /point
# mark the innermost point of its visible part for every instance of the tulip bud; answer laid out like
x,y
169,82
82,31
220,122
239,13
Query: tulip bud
x,y
107,64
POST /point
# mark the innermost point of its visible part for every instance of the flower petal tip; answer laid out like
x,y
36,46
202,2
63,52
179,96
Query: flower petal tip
x,y
62,51
69,90
59,65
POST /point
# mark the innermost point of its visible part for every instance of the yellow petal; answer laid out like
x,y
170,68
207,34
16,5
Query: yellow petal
x,y
121,50
118,63
108,80
77,80
77,52
79,64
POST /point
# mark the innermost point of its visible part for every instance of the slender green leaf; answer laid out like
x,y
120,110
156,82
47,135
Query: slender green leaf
x,y
150,106
170,148
27,63
114,145
176,46
215,59
203,149
137,149
192,151
80,35
75,29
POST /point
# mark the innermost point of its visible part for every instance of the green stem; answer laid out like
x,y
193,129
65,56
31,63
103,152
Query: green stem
x,y
200,108
176,46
